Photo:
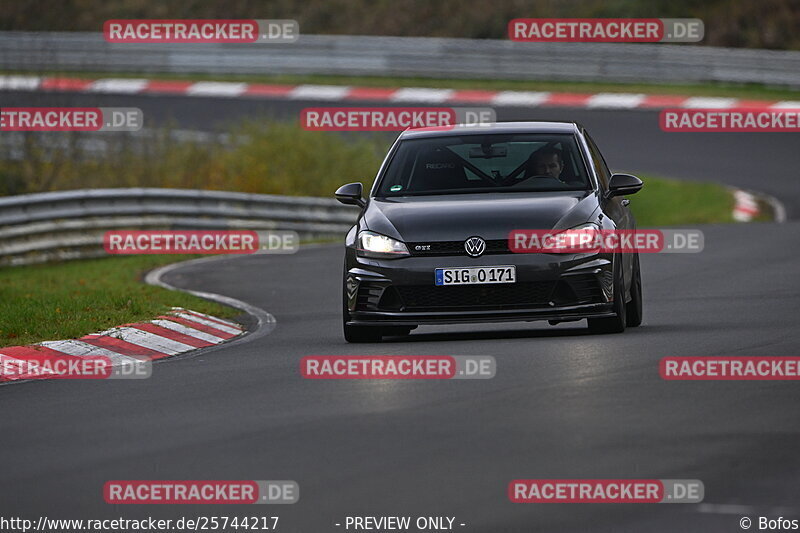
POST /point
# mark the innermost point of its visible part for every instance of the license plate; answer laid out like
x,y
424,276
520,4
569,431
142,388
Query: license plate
x,y
476,275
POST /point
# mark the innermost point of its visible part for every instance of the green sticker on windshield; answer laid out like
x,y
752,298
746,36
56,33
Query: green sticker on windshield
x,y
396,188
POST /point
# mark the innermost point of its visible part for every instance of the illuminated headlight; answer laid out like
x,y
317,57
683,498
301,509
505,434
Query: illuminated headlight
x,y
588,235
371,244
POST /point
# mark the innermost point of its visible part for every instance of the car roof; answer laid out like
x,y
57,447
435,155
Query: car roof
x,y
494,127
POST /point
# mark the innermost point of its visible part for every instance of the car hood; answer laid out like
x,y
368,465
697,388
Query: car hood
x,y
490,216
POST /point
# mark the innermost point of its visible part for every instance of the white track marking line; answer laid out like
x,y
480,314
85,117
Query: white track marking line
x,y
264,321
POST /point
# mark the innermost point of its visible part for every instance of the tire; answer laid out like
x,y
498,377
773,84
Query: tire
x,y
634,307
614,324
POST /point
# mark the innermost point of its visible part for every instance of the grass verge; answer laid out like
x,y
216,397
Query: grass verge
x,y
668,202
68,300
268,157
731,90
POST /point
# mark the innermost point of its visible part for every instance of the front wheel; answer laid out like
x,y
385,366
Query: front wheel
x,y
614,324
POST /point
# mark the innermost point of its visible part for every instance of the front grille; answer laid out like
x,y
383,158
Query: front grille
x,y
466,297
441,248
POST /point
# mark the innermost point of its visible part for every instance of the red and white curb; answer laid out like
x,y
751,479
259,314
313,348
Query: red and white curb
x,y
179,331
406,95
746,207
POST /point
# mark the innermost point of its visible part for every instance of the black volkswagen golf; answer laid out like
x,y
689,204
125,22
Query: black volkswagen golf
x,y
431,244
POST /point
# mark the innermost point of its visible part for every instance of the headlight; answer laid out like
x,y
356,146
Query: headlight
x,y
370,244
587,226
588,235
589,229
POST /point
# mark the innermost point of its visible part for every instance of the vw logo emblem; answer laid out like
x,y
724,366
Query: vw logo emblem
x,y
475,246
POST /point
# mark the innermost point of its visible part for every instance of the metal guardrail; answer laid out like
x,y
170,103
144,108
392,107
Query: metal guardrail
x,y
14,145
36,228
406,56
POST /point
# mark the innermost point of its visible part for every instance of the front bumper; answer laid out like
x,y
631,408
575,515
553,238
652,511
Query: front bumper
x,y
401,292
459,317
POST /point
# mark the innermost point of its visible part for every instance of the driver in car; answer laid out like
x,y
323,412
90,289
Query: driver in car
x,y
548,162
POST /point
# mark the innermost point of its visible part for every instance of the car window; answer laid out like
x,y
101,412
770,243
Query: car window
x,y
604,175
485,163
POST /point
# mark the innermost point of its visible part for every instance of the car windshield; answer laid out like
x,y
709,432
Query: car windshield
x,y
485,163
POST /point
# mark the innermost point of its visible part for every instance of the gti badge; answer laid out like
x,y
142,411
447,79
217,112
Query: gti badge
x,y
475,246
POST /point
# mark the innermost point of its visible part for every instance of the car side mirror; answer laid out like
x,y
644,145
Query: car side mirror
x,y
622,184
350,194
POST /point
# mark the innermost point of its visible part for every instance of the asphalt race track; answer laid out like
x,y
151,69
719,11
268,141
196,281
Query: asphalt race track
x,y
564,404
